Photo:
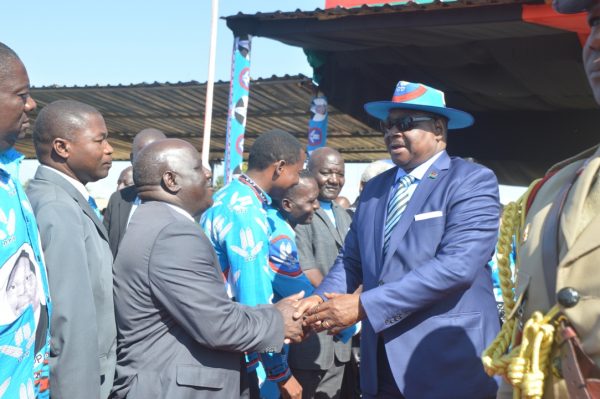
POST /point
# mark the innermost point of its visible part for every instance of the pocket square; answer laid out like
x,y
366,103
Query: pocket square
x,y
428,215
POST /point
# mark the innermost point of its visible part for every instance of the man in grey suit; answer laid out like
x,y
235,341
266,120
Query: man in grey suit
x,y
319,362
179,334
70,140
123,203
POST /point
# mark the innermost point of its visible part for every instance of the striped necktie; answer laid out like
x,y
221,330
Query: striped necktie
x,y
94,207
395,208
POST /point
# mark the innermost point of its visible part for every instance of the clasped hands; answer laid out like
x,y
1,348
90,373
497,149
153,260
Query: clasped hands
x,y
303,315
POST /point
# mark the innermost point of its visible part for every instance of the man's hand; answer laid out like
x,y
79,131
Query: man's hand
x,y
307,304
290,389
339,312
292,328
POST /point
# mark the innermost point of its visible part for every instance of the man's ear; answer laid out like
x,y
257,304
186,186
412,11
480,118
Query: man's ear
x,y
440,129
278,168
61,147
170,183
287,205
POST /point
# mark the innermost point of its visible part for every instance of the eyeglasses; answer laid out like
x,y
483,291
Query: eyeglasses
x,y
404,123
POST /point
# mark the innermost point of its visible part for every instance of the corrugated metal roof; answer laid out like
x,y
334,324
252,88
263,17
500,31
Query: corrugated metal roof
x,y
178,110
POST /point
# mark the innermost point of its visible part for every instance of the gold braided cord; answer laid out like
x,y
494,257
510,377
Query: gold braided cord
x,y
524,365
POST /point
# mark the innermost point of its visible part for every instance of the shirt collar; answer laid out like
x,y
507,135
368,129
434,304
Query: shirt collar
x,y
420,170
74,182
10,161
326,205
180,211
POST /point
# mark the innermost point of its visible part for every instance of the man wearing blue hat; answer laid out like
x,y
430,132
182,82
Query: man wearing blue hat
x,y
419,243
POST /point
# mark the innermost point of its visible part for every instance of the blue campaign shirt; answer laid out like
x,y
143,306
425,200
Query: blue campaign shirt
x,y
287,279
241,234
25,306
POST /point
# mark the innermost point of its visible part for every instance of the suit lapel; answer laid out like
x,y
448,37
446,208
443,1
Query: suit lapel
x,y
424,189
579,241
124,211
332,230
341,227
50,176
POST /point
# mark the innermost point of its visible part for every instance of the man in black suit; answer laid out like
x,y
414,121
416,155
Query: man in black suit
x,y
122,203
180,336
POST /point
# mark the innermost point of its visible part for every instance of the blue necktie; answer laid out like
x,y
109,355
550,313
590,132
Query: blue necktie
x,y
94,207
395,208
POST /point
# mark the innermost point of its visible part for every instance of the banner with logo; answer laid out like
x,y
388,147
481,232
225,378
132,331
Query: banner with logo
x,y
317,126
238,105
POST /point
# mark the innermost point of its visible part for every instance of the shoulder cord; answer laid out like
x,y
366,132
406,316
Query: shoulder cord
x,y
524,365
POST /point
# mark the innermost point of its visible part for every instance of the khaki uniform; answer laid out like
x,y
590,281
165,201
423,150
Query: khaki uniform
x,y
579,257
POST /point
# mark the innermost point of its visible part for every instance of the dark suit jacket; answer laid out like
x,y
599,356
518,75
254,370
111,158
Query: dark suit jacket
x,y
117,214
318,246
180,336
79,263
430,299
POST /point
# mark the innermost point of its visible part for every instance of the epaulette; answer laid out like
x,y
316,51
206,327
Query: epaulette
x,y
555,169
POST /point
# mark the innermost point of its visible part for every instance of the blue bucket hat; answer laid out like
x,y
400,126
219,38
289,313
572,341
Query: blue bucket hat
x,y
418,97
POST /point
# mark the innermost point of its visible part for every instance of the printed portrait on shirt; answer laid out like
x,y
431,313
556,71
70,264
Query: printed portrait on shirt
x,y
20,285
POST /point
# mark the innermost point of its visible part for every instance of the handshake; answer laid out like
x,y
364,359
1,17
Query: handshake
x,y
303,315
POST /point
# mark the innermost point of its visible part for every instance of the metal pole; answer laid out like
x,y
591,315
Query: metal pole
x,y
210,83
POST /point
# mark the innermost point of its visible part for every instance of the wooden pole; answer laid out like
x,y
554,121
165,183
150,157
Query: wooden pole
x,y
210,83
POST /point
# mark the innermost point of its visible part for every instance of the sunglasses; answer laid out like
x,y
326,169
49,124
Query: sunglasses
x,y
404,123
572,6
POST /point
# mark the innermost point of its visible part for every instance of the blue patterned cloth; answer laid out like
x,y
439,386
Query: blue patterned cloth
x,y
25,306
258,256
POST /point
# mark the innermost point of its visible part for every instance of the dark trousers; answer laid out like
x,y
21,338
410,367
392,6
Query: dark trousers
x,y
386,385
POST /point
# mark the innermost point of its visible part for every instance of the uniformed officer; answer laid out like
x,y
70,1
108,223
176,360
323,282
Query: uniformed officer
x,y
553,328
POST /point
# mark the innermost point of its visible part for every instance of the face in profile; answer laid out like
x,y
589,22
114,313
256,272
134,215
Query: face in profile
x,y
195,181
15,104
90,155
289,176
21,290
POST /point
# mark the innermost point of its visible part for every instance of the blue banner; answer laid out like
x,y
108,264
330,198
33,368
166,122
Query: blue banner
x,y
238,105
317,126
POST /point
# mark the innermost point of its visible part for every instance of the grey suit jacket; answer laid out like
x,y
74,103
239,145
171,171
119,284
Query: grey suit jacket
x,y
318,245
180,336
79,263
117,215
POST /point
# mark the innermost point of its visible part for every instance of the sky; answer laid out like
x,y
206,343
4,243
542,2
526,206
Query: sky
x,y
132,41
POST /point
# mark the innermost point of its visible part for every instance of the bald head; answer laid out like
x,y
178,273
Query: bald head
x,y
60,119
320,155
143,138
171,171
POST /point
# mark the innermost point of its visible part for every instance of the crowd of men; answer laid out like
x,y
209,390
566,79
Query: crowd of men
x,y
263,288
